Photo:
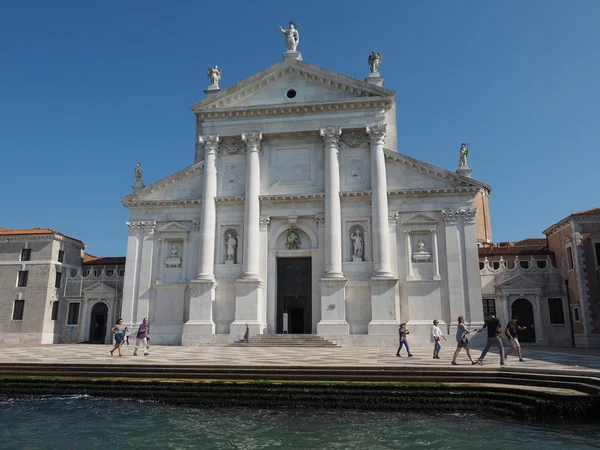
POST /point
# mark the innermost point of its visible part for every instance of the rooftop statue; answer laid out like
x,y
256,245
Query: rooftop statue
x,y
464,151
214,75
292,38
138,173
374,61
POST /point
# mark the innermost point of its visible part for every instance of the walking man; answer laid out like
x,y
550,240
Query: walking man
x,y
494,330
512,329
141,338
402,332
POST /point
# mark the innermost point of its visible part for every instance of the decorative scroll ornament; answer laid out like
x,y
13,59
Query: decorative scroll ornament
x,y
231,146
377,133
264,222
331,136
292,240
353,139
210,142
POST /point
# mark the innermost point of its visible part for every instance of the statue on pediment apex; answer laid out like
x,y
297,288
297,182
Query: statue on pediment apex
x,y
214,75
292,37
464,152
374,61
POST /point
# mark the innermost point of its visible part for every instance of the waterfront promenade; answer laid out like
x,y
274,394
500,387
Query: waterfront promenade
x,y
543,359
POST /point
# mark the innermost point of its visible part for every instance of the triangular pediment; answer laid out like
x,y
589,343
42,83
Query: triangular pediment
x,y
174,227
520,281
311,84
98,288
183,185
406,173
420,219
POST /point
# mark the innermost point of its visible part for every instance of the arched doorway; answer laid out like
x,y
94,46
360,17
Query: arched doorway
x,y
98,323
522,308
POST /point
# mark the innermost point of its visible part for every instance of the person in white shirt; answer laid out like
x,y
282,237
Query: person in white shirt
x,y
436,336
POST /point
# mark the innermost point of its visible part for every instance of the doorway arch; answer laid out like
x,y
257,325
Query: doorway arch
x,y
523,309
98,323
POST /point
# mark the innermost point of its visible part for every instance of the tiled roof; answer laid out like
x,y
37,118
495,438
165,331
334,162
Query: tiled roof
x,y
531,242
5,232
529,246
90,260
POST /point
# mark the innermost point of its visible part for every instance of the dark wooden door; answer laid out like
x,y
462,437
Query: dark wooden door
x,y
98,323
524,311
294,295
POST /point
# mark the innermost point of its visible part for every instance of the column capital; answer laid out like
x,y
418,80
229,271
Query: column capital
x,y
264,222
210,142
141,227
320,219
331,136
252,140
377,133
393,218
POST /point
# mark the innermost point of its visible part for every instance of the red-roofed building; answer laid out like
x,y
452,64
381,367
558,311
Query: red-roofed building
x,y
53,292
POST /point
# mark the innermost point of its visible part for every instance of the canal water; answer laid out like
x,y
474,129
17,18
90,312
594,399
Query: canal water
x,y
82,422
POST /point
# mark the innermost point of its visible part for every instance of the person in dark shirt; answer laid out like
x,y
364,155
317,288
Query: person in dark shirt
x,y
494,330
512,330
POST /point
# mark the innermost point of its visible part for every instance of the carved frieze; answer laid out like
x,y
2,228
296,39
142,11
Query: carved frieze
x,y
353,139
231,146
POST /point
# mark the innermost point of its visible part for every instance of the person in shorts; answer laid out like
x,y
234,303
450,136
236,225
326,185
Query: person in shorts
x,y
512,331
462,340
119,332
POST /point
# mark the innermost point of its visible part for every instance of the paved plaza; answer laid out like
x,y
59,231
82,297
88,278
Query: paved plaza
x,y
542,358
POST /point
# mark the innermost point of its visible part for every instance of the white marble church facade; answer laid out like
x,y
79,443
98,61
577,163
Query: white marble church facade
x,y
299,215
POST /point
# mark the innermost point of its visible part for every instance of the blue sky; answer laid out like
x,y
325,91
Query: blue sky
x,y
88,89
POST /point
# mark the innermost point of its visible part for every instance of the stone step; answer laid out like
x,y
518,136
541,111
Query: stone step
x,y
285,340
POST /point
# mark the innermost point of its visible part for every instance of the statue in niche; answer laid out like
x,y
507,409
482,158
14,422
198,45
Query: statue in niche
x,y
232,183
173,261
214,75
292,38
464,152
292,240
374,61
357,245
355,172
421,255
231,246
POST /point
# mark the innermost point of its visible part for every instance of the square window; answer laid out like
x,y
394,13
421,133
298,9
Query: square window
x,y
18,308
57,280
73,314
570,258
489,306
54,314
555,306
26,254
22,279
61,256
576,317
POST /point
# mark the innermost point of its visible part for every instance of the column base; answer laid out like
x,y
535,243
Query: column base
x,y
200,323
383,327
249,307
384,312
197,332
333,307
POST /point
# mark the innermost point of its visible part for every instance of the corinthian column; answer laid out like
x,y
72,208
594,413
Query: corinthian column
x,y
379,203
333,212
252,205
208,211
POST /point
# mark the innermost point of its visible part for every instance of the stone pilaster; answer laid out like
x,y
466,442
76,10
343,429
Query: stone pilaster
x,y
379,203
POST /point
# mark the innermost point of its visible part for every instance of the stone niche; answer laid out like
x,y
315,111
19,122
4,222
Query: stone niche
x,y
173,238
421,247
230,251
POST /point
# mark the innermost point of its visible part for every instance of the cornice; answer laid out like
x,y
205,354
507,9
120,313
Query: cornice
x,y
567,221
284,109
432,191
42,237
157,203
288,197
230,199
355,194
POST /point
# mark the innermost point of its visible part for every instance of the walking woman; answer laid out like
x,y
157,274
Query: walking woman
x,y
462,340
402,332
119,332
436,336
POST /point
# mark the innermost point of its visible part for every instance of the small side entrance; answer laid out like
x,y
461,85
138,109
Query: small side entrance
x,y
294,302
524,311
98,323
